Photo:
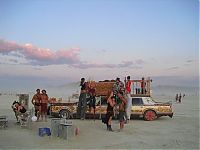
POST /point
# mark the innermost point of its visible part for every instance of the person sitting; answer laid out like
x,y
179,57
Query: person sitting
x,y
15,110
20,112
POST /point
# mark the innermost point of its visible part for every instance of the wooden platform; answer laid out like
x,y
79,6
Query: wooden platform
x,y
140,95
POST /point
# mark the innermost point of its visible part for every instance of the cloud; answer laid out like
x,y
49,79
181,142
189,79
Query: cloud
x,y
189,61
103,51
139,61
173,68
39,56
191,81
86,65
35,56
37,68
13,60
123,64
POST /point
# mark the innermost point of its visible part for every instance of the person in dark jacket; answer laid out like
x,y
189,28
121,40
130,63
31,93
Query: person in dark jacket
x,y
82,104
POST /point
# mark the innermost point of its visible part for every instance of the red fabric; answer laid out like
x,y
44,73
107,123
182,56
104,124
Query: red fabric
x,y
92,92
44,107
142,84
128,86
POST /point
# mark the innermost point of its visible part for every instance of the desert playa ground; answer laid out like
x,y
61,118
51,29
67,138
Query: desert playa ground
x,y
179,132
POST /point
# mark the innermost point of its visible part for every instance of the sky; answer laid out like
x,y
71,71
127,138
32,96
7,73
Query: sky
x,y
50,42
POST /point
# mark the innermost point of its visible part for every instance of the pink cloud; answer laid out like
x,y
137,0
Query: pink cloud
x,y
6,47
72,53
32,52
44,56
40,56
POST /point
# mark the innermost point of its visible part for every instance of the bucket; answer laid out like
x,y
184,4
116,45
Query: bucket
x,y
55,122
44,131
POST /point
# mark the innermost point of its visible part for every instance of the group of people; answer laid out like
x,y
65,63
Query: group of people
x,y
179,97
119,98
82,104
40,102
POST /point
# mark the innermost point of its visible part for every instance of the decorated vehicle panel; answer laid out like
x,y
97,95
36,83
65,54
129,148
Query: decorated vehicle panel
x,y
144,107
56,109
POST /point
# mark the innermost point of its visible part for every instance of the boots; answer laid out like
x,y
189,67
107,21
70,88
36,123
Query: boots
x,y
109,128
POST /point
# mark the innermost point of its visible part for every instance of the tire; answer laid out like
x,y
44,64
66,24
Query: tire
x,y
150,115
64,113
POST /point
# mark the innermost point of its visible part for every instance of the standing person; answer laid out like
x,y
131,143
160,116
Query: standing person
x,y
36,100
110,112
179,98
122,108
118,86
143,86
121,85
44,102
92,103
137,88
82,100
176,97
129,100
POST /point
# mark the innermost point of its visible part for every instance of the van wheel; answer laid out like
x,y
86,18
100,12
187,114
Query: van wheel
x,y
150,115
64,114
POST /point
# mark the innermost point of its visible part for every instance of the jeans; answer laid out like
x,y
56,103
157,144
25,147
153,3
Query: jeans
x,y
81,106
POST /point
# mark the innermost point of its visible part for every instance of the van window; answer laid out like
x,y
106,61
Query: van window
x,y
137,101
